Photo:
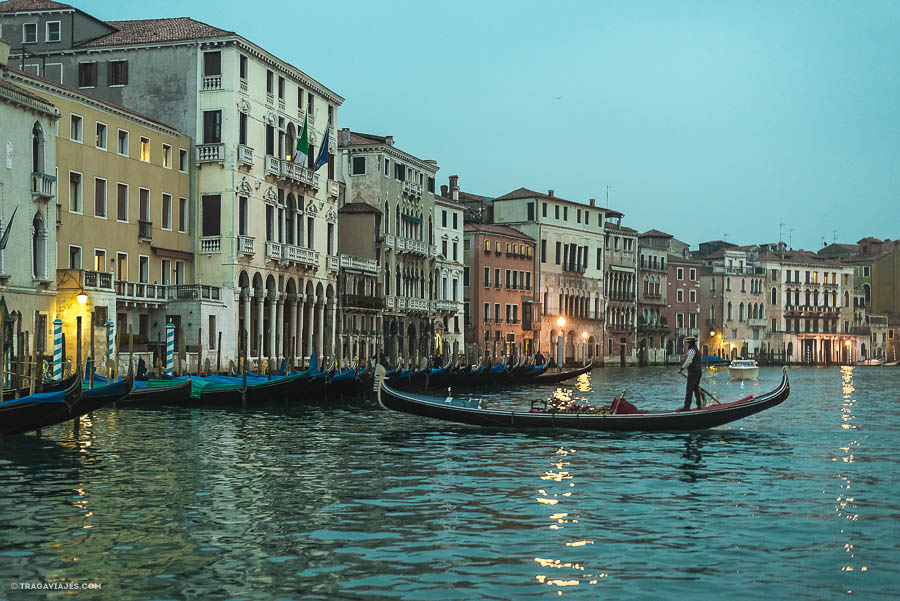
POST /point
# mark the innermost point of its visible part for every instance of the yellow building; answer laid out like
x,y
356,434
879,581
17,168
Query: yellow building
x,y
124,223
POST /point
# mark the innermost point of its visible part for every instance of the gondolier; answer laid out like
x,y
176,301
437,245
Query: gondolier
x,y
694,373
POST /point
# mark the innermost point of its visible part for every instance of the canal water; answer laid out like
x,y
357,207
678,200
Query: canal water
x,y
350,501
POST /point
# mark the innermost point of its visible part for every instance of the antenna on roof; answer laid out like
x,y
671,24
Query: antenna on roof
x,y
780,236
607,196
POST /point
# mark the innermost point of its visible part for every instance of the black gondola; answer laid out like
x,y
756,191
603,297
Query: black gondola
x,y
46,386
461,411
97,398
174,392
38,410
554,377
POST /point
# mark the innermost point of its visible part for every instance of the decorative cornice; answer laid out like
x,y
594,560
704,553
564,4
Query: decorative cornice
x,y
394,152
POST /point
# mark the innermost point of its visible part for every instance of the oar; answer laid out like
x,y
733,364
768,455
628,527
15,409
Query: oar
x,y
704,392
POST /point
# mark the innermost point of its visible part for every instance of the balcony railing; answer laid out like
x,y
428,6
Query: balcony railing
x,y
291,172
245,245
620,327
42,186
390,241
140,291
333,263
243,85
194,292
757,322
661,327
417,304
367,265
211,82
145,230
412,189
573,266
389,301
361,301
91,280
273,250
621,296
416,247
211,244
245,155
444,305
304,256
210,153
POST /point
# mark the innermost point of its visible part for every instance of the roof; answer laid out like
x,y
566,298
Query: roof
x,y
500,230
357,139
15,6
146,31
620,228
52,84
359,207
679,259
8,85
798,256
655,234
447,200
526,193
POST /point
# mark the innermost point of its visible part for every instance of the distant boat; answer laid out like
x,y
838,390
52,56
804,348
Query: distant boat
x,y
743,369
871,362
713,360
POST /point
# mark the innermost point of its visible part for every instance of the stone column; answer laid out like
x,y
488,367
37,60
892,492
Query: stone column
x,y
280,346
258,335
320,327
310,325
301,309
245,298
270,348
336,351
292,327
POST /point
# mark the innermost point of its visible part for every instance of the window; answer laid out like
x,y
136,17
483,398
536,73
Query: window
x,y
465,276
87,75
270,82
99,197
527,280
29,33
487,246
117,73
121,202
558,251
100,137
692,294
565,213
578,216
52,31
543,251
211,207
122,266
693,274
167,156
182,160
212,127
143,269
74,257
75,128
280,87
497,312
212,63
359,166
145,149
487,277
679,273
165,270
144,204
182,215
556,211
74,192
212,329
496,277
167,211
679,295
243,67
387,167
123,142
456,221
508,278
487,312
99,260
242,216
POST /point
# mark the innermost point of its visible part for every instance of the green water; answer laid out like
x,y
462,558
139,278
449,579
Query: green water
x,y
349,501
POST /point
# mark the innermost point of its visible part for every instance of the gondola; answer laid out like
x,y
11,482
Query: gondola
x,y
97,398
157,393
554,377
46,386
37,411
624,416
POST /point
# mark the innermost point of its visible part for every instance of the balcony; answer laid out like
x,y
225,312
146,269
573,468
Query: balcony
x,y
573,266
333,263
273,250
270,99
210,245
860,330
245,155
245,245
360,301
415,247
757,323
292,173
365,265
621,296
145,230
58,214
390,241
211,82
412,189
389,302
292,254
140,292
243,85
444,305
92,280
653,327
42,186
194,292
417,304
281,104
210,153
620,327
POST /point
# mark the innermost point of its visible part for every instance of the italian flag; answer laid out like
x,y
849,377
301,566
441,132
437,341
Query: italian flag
x,y
302,146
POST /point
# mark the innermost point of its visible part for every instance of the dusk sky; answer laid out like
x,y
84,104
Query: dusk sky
x,y
705,119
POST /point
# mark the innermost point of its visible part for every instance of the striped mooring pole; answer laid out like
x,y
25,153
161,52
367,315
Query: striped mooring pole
x,y
170,348
57,349
110,340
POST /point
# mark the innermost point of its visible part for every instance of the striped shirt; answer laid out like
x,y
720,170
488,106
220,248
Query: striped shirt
x,y
690,357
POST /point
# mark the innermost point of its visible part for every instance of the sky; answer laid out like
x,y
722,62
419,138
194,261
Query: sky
x,y
727,120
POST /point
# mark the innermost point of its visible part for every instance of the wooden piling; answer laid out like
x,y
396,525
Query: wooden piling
x,y
219,354
93,355
199,351
246,336
78,347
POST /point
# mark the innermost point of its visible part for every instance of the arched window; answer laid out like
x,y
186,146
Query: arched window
x,y
774,295
37,148
387,217
38,248
289,219
730,311
741,312
867,292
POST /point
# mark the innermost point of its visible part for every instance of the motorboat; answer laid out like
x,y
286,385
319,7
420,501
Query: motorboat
x,y
743,369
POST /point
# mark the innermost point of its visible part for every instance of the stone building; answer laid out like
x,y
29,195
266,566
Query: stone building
x,y
569,264
499,292
447,304
620,287
401,186
264,224
652,280
29,208
683,307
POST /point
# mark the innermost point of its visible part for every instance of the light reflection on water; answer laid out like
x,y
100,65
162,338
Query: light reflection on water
x,y
354,502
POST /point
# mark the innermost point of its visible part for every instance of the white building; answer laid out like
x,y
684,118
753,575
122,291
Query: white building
x,y
448,273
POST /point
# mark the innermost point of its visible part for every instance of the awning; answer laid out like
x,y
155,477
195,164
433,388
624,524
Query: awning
x,y
175,254
412,219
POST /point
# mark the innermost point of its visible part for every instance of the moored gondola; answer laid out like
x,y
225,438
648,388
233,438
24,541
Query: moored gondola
x,y
37,411
158,393
622,417
554,377
46,386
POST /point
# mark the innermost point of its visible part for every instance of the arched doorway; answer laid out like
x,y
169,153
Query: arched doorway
x,y
411,342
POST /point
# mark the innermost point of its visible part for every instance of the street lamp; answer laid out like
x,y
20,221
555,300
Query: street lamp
x,y
584,348
561,322
82,298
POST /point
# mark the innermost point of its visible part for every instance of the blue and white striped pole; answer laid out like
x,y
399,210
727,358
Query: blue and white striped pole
x,y
170,348
110,340
57,349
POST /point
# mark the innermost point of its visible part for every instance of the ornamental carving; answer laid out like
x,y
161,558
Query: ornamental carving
x,y
270,118
311,209
244,188
331,217
270,195
243,106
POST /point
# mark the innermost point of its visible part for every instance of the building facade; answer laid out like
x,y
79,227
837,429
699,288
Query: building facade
x,y
401,186
652,280
683,305
448,276
264,223
361,298
620,286
499,292
28,209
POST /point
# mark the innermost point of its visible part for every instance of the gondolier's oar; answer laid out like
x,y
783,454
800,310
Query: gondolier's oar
x,y
705,392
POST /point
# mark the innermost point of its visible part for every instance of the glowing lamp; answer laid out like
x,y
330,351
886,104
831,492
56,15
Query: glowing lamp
x,y
561,322
584,335
82,298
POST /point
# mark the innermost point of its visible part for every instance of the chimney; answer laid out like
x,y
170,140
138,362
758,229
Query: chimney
x,y
550,193
444,190
345,136
454,187
389,140
4,54
593,202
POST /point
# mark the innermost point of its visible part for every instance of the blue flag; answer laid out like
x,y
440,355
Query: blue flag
x,y
322,159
